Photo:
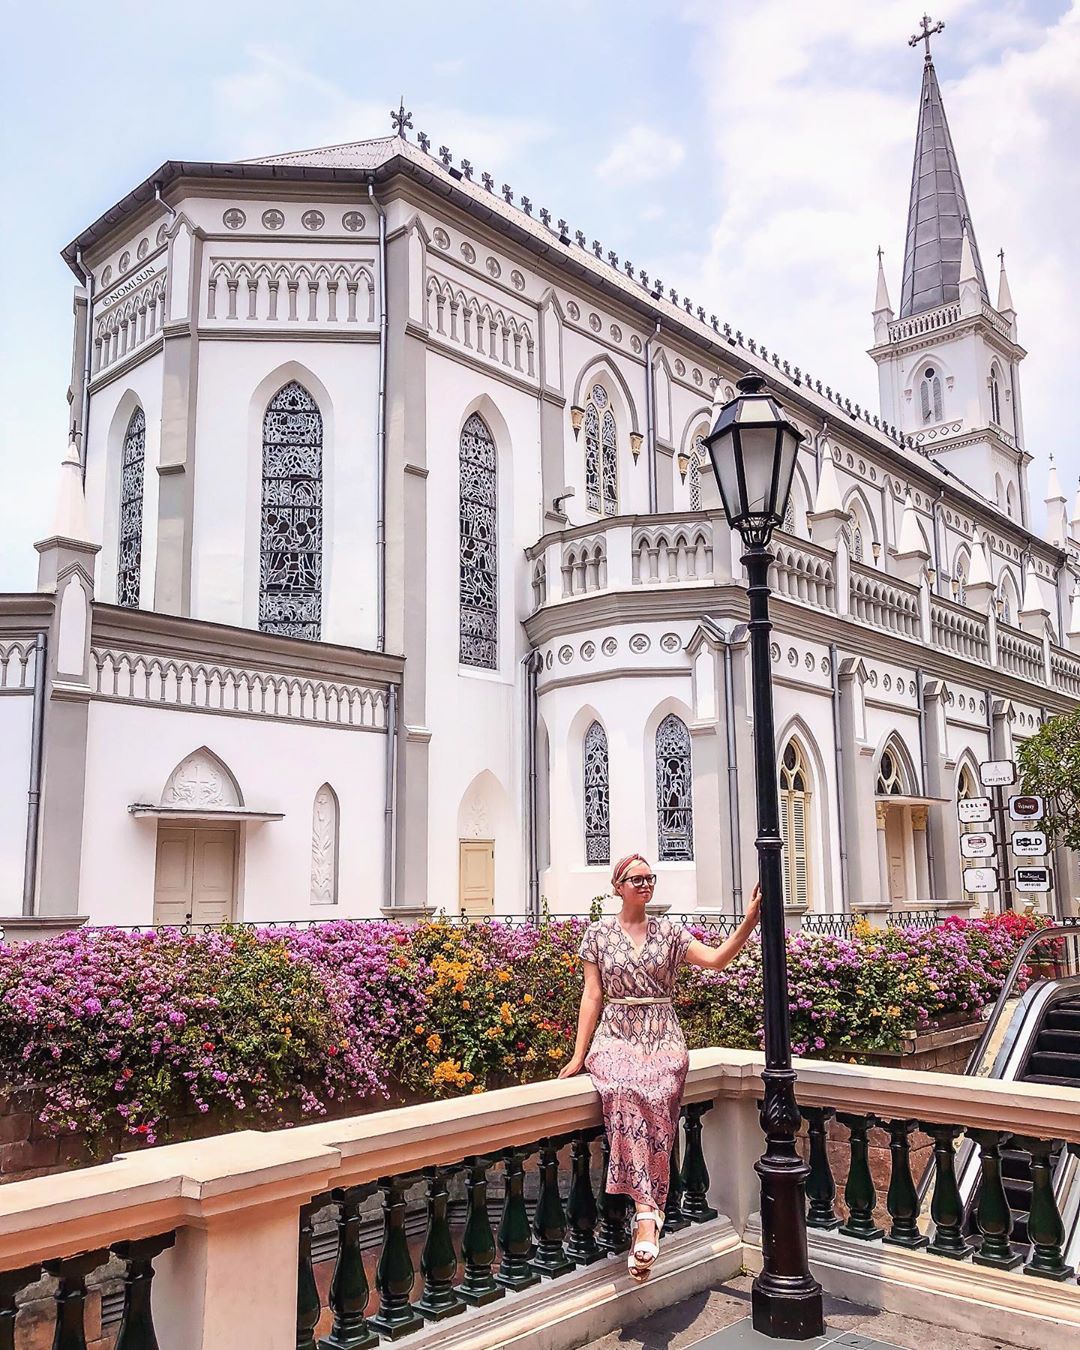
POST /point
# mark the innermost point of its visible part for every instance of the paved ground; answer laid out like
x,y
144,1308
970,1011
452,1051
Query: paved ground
x,y
692,1322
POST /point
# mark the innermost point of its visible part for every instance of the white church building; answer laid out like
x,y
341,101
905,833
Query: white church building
x,y
389,574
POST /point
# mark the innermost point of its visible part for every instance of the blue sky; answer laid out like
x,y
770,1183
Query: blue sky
x,y
754,156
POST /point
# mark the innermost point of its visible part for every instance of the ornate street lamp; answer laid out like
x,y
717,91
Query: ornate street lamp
x,y
753,448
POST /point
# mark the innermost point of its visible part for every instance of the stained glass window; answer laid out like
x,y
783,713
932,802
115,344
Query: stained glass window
x,y
674,791
891,778
479,621
995,396
601,454
794,825
132,473
931,395
597,800
290,563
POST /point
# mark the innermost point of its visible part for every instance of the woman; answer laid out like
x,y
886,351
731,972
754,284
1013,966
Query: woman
x,y
637,1059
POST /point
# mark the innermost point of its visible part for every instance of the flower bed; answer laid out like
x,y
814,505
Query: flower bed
x,y
138,1029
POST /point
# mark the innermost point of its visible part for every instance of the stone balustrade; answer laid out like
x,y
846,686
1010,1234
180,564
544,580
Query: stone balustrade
x,y
959,630
884,602
257,1238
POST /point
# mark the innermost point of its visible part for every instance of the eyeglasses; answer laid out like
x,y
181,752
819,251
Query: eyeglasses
x,y
648,880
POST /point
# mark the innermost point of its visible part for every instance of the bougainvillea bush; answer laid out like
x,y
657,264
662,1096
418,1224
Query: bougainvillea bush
x,y
141,1029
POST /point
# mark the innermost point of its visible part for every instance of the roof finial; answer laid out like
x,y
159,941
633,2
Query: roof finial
x,y
928,29
880,253
401,120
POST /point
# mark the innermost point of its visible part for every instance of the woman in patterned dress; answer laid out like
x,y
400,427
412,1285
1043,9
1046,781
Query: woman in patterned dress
x,y
637,1058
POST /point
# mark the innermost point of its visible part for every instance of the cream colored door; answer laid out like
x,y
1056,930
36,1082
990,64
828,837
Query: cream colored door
x,y
895,825
476,876
196,874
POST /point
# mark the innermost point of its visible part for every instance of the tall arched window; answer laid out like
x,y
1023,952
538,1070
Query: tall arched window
x,y
132,473
325,828
930,395
290,563
892,777
698,455
601,454
674,791
794,824
995,395
597,798
478,625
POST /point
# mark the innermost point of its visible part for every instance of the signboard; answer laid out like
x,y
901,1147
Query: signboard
x,y
980,879
997,773
1026,808
1028,844
977,845
973,810
1032,879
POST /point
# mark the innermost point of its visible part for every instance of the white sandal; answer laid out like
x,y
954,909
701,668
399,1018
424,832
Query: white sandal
x,y
643,1254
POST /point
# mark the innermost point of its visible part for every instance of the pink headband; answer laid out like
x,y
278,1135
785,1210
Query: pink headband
x,y
624,865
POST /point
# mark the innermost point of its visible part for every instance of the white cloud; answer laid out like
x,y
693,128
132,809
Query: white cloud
x,y
640,156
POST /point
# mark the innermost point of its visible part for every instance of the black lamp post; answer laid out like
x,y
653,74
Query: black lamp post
x,y
753,448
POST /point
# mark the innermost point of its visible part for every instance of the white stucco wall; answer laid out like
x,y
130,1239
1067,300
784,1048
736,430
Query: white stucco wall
x,y
15,726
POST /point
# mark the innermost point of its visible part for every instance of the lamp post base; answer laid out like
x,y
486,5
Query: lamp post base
x,y
787,1308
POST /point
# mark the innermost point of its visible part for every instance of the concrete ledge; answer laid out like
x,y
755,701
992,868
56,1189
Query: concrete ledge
x,y
1001,1305
19,928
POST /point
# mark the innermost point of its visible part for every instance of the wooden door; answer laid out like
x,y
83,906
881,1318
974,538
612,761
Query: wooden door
x,y
895,824
476,876
195,880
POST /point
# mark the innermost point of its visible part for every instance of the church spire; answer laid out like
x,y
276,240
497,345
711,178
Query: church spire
x,y
938,215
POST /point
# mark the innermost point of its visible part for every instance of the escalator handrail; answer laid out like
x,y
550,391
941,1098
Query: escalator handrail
x,y
1060,929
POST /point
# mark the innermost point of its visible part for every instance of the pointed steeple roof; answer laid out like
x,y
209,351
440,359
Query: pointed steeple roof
x,y
937,212
1005,300
881,295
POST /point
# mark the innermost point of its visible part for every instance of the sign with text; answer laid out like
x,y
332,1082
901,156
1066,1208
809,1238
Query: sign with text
x,y
997,773
973,810
979,845
1028,843
1026,808
1034,880
980,879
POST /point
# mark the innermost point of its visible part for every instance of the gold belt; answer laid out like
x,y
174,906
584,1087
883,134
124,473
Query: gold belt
x,y
637,1002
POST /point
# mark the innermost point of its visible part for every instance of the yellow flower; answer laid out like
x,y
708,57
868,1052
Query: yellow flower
x,y
434,1042
477,1089
418,1029
503,976
554,1054
506,1013
894,1011
493,1032
465,1003
449,1071
528,998
530,1056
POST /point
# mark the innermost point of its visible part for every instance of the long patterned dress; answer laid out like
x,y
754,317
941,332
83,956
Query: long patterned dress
x,y
638,1059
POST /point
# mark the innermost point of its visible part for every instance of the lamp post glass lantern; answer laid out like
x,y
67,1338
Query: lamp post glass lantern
x,y
753,447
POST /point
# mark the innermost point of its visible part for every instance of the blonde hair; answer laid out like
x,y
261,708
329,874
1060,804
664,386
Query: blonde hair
x,y
618,875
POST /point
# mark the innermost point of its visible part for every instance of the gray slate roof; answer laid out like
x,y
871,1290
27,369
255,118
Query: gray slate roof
x,y
937,212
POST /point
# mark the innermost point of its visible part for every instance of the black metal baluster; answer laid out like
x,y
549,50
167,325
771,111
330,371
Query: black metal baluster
x,y
613,1235
70,1273
349,1289
137,1323
674,1219
902,1200
1045,1228
515,1239
945,1208
478,1242
396,1317
993,1217
820,1186
581,1245
308,1302
549,1220
859,1193
695,1171
12,1282
438,1260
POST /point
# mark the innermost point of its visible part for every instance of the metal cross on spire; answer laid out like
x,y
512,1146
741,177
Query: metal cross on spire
x,y
401,120
928,30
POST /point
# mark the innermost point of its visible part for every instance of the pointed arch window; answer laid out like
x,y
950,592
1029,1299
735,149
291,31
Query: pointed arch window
x,y
930,395
1004,604
961,579
788,524
794,825
674,791
132,476
325,830
601,454
597,796
892,774
290,563
693,474
995,396
478,624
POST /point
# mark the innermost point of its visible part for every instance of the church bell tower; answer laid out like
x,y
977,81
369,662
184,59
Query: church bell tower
x,y
948,364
